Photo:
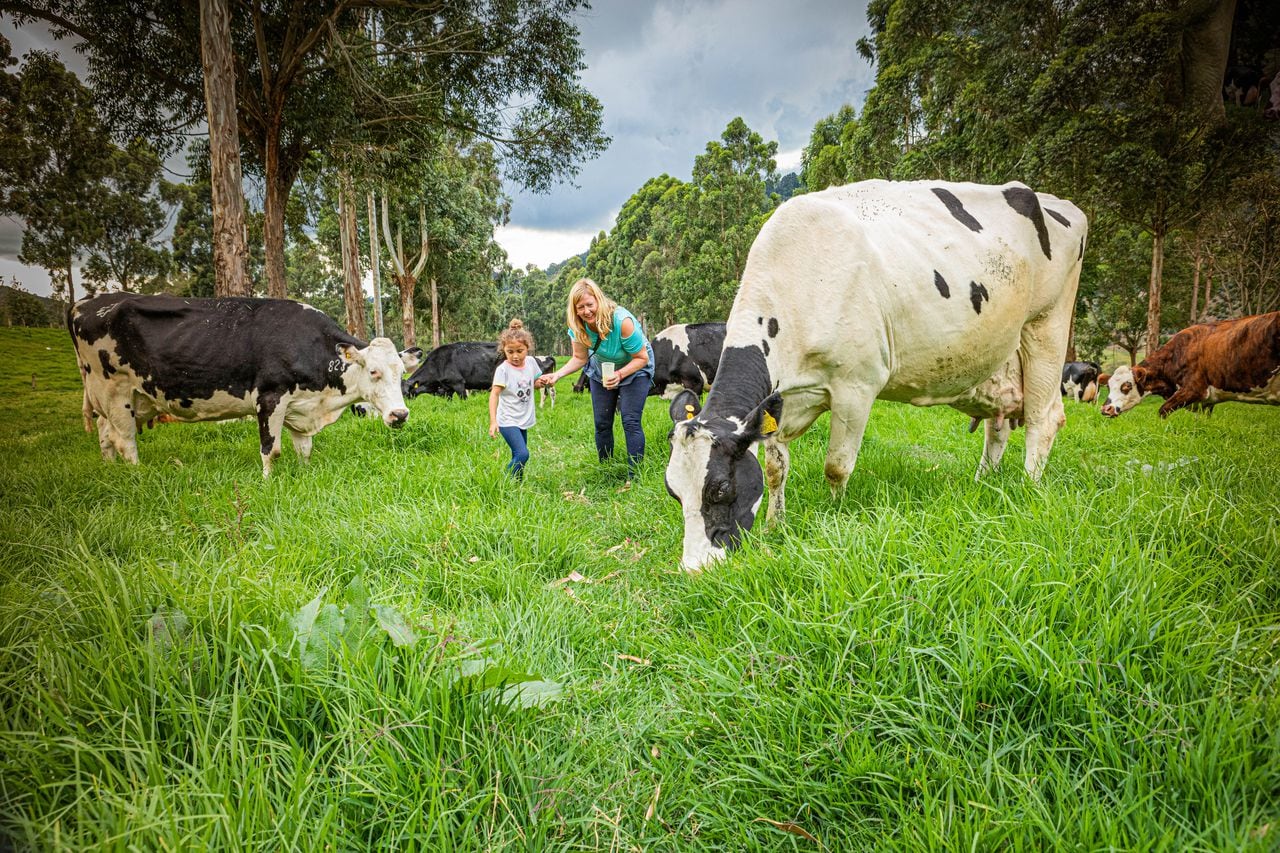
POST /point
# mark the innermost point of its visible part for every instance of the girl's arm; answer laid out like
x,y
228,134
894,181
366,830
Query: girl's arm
x,y
493,409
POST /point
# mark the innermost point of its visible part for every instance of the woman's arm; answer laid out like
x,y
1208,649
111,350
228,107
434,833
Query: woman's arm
x,y
572,366
637,362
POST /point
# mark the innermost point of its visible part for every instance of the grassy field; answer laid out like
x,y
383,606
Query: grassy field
x,y
925,663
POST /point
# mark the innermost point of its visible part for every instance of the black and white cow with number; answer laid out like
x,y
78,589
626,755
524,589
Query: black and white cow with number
x,y
926,293
284,362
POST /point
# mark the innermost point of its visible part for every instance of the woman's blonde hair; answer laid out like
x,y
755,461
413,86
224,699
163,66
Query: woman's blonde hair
x,y
604,311
515,333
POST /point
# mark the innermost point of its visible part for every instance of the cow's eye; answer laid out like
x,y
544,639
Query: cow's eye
x,y
1126,388
719,492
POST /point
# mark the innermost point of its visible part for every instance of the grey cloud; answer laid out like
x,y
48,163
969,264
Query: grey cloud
x,y
672,75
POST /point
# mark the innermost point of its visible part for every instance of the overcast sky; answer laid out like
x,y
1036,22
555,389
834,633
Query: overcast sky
x,y
670,75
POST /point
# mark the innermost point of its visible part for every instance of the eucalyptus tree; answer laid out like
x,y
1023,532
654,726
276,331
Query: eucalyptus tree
x,y
310,78
825,160
131,213
54,151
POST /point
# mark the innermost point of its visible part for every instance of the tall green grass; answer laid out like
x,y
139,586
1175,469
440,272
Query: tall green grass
x,y
924,663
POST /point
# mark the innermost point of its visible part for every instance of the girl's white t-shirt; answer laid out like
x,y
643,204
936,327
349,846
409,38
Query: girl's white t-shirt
x,y
515,401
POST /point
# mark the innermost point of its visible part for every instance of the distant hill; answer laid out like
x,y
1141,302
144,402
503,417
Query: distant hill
x,y
20,308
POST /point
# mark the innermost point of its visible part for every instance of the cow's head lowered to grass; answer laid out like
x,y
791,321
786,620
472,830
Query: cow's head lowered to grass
x,y
1126,388
375,373
715,475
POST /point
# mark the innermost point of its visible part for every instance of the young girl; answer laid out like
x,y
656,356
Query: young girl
x,y
511,409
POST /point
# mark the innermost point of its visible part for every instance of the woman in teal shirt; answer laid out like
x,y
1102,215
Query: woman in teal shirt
x,y
609,343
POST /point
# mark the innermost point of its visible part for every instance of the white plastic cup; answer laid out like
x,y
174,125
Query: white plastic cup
x,y
606,369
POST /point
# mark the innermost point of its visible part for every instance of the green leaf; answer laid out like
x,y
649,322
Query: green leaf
x,y
326,636
304,620
532,694
356,613
397,627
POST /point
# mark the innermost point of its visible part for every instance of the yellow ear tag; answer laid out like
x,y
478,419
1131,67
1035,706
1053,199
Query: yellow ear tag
x,y
768,424
688,412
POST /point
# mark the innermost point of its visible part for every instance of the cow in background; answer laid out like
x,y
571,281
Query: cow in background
x,y
924,292
685,356
1080,380
147,357
455,368
546,364
1203,365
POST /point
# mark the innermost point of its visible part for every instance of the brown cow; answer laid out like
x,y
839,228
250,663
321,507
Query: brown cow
x,y
1205,364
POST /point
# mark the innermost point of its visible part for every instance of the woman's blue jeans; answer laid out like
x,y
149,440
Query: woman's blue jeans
x,y
628,401
518,440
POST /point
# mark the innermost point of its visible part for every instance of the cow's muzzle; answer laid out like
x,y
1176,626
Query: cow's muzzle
x,y
397,418
1110,411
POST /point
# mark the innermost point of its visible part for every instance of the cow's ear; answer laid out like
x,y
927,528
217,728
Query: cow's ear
x,y
763,420
685,406
349,353
1139,377
411,357
1104,378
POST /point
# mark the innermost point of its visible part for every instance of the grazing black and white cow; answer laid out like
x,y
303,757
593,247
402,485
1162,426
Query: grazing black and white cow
x,y
143,357
1080,380
547,364
455,369
685,356
925,293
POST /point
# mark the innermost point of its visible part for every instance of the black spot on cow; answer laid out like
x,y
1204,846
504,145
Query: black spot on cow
x,y
1025,202
266,405
760,321
977,294
764,345
941,283
84,368
957,209
1081,255
1061,220
105,358
773,327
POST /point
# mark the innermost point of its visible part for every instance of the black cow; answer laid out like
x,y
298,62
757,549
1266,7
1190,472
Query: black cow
x,y
1080,381
685,357
143,357
455,369
548,365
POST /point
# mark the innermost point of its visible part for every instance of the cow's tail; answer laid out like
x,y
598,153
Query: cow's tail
x,y
86,410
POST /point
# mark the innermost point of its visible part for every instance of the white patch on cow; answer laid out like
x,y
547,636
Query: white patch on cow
x,y
1074,389
1122,393
678,335
311,308
1268,393
672,390
686,474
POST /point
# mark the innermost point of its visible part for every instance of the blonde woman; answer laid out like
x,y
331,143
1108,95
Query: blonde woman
x,y
618,360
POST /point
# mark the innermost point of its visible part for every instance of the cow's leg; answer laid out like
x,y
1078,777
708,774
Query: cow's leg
x,y
106,439
995,438
271,413
301,445
123,430
848,422
799,411
1044,340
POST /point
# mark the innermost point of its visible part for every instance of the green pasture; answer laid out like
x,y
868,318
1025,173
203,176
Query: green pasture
x,y
924,663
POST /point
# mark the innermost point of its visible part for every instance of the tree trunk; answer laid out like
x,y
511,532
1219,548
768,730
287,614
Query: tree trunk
x,y
1133,355
435,313
408,284
374,259
276,197
230,255
1153,292
352,292
1195,287
1208,288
